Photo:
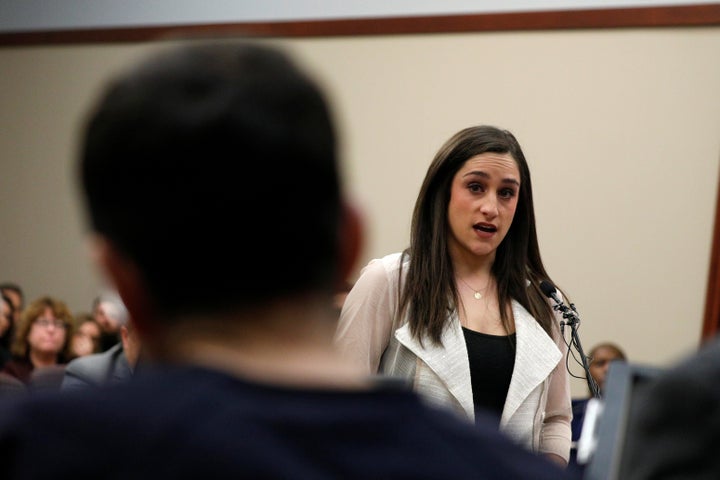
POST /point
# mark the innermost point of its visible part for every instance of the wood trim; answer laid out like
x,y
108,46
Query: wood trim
x,y
690,15
711,323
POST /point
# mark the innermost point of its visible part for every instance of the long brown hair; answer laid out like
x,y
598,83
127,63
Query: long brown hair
x,y
429,293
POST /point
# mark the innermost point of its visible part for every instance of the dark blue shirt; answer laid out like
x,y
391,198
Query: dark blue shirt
x,y
196,423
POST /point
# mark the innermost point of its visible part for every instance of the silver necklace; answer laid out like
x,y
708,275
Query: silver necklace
x,y
476,293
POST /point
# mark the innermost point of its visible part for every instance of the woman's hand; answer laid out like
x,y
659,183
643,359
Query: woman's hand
x,y
556,459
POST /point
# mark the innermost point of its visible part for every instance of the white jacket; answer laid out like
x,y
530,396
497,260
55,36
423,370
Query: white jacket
x,y
537,409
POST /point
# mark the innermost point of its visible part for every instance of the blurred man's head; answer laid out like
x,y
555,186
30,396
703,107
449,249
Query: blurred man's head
x,y
109,312
212,171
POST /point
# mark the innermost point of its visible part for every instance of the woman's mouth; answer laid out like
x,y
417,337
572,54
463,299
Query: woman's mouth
x,y
485,227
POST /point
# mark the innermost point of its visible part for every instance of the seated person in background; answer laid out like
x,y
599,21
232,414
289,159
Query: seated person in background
x,y
86,340
240,378
110,313
112,366
15,293
599,357
6,329
42,338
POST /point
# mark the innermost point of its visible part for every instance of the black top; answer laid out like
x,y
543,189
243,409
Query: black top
x,y
194,423
492,359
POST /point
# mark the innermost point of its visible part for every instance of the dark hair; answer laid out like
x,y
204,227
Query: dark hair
x,y
429,291
14,287
6,339
620,354
213,168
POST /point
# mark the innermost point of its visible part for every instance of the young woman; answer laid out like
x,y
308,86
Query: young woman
x,y
460,313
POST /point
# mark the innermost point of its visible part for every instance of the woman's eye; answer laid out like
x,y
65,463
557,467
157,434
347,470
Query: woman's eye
x,y
507,193
475,187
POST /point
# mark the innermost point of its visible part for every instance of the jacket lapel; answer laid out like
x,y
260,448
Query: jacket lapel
x,y
449,361
535,358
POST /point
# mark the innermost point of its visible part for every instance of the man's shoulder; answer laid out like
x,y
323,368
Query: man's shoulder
x,y
96,360
250,427
97,369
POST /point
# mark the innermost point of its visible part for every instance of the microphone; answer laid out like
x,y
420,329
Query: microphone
x,y
568,313
550,291
573,320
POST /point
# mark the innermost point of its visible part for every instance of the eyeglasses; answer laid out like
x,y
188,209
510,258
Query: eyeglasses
x,y
46,322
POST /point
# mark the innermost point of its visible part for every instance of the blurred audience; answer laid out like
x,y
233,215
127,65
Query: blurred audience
x,y
6,329
601,355
115,365
110,314
15,293
42,338
86,339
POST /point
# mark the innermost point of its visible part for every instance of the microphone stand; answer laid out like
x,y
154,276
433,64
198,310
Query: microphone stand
x,y
573,320
570,317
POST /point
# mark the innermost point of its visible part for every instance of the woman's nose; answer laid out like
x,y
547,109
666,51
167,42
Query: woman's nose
x,y
489,206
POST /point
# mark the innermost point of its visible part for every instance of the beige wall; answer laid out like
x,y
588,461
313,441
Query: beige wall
x,y
620,127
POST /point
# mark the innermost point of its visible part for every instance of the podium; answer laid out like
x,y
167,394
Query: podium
x,y
602,441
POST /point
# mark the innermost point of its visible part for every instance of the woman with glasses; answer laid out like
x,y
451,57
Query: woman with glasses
x,y
42,339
